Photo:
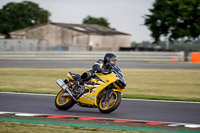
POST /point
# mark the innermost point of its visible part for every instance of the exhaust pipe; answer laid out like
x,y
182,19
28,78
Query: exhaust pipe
x,y
61,84
65,87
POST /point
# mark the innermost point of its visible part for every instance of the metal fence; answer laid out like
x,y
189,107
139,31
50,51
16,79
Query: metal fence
x,y
22,45
92,55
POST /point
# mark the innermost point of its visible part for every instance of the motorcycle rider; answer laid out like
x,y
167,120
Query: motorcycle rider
x,y
100,87
101,66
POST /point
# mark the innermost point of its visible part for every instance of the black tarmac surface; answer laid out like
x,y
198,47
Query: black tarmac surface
x,y
180,112
88,64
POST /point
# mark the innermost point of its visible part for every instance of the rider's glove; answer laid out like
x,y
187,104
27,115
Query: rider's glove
x,y
92,72
108,65
96,67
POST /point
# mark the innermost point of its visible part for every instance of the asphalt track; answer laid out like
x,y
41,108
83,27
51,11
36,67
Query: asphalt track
x,y
179,112
88,64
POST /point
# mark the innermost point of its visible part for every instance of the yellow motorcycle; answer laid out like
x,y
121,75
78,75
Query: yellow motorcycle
x,y
102,91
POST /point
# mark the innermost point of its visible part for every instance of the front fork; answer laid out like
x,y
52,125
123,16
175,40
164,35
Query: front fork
x,y
109,92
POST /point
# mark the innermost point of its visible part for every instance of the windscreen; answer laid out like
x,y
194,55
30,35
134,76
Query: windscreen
x,y
117,71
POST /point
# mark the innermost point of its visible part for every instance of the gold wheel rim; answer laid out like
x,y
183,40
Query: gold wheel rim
x,y
108,104
61,100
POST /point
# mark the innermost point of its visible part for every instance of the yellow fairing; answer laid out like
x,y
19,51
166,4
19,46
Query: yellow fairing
x,y
69,77
117,88
95,86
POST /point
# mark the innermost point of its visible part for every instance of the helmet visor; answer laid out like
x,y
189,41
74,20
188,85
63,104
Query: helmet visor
x,y
113,61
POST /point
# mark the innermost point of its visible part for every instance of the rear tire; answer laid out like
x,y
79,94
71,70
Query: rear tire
x,y
103,108
63,102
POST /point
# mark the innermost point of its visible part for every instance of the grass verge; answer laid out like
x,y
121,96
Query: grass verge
x,y
20,124
162,84
16,127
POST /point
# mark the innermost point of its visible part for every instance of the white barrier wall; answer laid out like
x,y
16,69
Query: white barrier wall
x,y
91,55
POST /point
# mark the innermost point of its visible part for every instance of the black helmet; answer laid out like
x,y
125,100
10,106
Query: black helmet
x,y
110,57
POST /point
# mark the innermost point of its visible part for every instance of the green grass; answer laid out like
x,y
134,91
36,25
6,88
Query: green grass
x,y
14,127
166,84
20,124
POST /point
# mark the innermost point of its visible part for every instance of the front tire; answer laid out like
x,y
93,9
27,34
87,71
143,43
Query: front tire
x,y
63,102
111,105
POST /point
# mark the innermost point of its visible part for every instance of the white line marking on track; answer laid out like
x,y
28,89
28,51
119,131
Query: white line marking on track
x,y
126,99
27,93
166,101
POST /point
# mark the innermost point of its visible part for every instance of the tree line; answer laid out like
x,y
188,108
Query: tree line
x,y
15,16
176,20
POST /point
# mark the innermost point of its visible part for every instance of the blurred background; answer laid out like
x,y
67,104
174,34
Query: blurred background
x,y
157,44
168,29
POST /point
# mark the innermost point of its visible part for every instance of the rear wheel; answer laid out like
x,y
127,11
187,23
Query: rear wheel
x,y
64,101
111,104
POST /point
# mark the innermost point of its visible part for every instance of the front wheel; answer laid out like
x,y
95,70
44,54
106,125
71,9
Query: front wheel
x,y
111,104
64,101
